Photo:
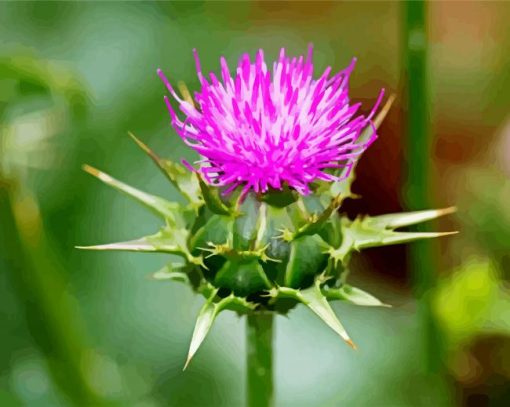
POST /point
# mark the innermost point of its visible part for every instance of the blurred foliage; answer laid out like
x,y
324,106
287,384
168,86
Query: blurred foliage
x,y
76,77
472,301
42,101
487,215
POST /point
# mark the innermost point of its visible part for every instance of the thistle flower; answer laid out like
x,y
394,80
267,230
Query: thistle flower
x,y
262,129
289,141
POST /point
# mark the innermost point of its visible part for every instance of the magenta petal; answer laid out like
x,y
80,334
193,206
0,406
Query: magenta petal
x,y
262,128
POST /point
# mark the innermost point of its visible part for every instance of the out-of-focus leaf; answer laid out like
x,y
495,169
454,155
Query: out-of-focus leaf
x,y
47,76
39,99
469,302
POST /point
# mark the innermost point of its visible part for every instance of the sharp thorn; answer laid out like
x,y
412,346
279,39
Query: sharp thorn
x,y
351,344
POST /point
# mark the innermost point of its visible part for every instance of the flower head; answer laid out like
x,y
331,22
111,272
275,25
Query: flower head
x,y
263,128
258,131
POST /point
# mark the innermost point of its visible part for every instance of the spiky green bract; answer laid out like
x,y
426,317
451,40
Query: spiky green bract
x,y
262,252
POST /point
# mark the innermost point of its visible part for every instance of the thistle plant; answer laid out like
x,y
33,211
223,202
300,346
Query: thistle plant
x,y
261,231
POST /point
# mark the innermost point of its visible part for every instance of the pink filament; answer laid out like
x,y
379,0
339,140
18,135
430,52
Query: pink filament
x,y
261,129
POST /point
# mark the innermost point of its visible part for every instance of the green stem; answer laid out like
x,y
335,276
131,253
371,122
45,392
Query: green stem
x,y
417,188
418,148
259,338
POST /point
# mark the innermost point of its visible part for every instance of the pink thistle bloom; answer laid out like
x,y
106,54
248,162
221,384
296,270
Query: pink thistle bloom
x,y
262,129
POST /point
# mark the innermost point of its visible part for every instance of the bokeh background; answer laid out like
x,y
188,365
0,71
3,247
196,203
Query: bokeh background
x,y
84,328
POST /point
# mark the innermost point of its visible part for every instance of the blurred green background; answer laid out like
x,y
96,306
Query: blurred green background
x,y
82,328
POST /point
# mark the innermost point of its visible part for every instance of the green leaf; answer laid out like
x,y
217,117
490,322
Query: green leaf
x,y
314,299
353,295
217,230
336,270
179,176
168,240
280,198
271,222
398,220
298,214
365,240
170,211
362,233
327,190
242,277
317,222
172,271
212,197
205,319
306,260
312,204
332,231
245,224
237,304
208,313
